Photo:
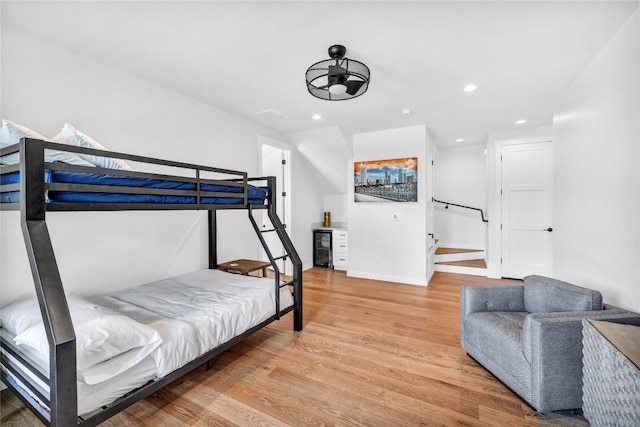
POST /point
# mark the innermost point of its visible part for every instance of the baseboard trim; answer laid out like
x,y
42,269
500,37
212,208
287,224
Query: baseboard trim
x,y
387,278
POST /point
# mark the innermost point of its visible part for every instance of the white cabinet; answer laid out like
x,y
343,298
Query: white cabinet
x,y
340,247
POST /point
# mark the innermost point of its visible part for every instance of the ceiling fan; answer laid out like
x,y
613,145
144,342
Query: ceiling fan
x,y
338,78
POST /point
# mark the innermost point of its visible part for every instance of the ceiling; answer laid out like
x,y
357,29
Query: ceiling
x,y
251,57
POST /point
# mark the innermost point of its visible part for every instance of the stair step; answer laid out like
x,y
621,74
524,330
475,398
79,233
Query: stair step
x,y
442,251
473,263
460,270
459,256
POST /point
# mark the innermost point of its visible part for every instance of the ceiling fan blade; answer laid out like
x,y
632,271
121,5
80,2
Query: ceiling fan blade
x,y
353,86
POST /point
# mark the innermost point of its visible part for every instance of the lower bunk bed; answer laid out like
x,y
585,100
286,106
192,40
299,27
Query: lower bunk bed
x,y
79,361
130,342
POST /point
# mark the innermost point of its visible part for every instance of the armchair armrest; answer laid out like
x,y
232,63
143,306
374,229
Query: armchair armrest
x,y
552,343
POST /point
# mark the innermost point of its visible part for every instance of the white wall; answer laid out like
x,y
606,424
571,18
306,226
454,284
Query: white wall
x,y
338,206
597,173
495,141
459,178
326,151
43,87
308,206
320,171
379,247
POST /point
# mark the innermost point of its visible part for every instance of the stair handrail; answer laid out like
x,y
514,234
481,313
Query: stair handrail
x,y
447,204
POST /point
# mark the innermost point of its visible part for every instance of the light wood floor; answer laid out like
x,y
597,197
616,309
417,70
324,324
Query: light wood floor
x,y
371,353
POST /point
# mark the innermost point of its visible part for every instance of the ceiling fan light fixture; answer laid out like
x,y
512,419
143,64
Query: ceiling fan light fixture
x,y
338,78
338,89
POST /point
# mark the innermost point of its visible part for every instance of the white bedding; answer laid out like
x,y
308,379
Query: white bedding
x,y
193,314
92,397
196,312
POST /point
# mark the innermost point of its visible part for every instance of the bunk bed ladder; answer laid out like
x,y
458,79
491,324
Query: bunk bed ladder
x,y
290,252
272,260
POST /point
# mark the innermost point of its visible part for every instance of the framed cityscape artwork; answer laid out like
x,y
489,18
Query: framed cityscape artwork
x,y
392,180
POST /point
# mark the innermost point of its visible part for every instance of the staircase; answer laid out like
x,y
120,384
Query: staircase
x,y
461,261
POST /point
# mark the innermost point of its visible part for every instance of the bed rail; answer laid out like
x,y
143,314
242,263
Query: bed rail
x,y
192,181
61,401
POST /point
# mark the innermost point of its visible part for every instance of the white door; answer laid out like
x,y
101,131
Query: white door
x,y
275,162
527,229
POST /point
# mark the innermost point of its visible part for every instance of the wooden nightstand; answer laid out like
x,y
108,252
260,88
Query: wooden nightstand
x,y
244,266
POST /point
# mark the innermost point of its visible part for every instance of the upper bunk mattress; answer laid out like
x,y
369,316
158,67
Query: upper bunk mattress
x,y
255,195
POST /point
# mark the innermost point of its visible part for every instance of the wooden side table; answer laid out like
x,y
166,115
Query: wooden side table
x,y
244,266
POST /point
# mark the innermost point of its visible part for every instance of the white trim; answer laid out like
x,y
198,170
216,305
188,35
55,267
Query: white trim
x,y
386,278
288,219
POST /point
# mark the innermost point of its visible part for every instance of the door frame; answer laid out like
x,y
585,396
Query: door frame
x,y
288,217
494,241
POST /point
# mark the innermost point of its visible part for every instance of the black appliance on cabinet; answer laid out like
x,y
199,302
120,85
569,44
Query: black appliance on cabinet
x,y
322,250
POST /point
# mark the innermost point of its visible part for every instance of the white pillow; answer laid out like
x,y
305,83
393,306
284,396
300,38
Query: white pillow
x,y
69,135
102,335
19,316
10,133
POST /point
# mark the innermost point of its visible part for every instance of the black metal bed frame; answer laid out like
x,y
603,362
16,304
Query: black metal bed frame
x,y
62,398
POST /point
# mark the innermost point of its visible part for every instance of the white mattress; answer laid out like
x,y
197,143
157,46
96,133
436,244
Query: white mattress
x,y
193,314
92,397
196,312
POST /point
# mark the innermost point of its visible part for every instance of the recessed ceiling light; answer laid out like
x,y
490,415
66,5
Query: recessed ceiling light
x,y
406,111
521,122
459,140
316,117
470,87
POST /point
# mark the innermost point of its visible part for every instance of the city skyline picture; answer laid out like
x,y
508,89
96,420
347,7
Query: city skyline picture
x,y
390,180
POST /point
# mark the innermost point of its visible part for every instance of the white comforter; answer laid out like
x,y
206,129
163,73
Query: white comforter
x,y
196,312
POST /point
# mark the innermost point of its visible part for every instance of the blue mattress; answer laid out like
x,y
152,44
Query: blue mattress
x,y
255,195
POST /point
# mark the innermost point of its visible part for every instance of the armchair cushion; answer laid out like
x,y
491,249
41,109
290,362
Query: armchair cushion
x,y
546,295
496,336
492,298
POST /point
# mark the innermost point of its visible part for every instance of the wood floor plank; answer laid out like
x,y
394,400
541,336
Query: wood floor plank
x,y
371,353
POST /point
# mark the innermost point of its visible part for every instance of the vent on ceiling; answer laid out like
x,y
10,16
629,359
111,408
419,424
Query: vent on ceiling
x,y
269,115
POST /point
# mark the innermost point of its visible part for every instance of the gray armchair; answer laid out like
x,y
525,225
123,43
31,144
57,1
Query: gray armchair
x,y
530,337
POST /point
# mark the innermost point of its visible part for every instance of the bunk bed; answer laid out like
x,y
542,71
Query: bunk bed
x,y
180,323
